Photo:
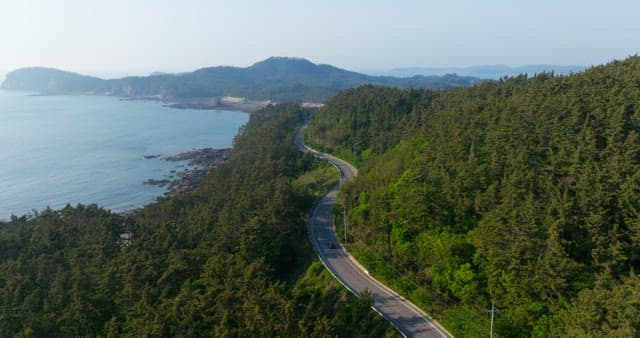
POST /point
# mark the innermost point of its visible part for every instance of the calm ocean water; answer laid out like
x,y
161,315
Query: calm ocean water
x,y
56,150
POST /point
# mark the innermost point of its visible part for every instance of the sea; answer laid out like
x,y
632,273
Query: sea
x,y
59,150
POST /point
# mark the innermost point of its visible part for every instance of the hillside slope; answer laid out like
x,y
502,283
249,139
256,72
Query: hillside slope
x,y
523,192
231,259
51,81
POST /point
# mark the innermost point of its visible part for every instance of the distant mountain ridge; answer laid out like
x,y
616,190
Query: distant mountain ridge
x,y
275,79
484,71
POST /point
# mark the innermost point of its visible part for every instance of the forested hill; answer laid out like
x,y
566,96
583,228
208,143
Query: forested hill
x,y
231,259
524,192
276,78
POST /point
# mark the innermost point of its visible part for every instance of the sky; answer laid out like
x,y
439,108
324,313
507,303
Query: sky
x,y
134,37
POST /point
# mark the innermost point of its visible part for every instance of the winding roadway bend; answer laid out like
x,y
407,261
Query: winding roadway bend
x,y
403,315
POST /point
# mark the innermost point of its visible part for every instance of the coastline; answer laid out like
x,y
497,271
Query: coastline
x,y
224,103
205,103
107,167
229,103
197,164
188,179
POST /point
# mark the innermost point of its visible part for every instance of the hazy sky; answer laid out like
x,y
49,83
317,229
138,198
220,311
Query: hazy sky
x,y
116,37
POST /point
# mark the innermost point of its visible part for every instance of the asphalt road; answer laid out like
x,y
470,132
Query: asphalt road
x,y
406,317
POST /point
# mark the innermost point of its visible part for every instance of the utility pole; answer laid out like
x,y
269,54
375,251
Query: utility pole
x,y
492,311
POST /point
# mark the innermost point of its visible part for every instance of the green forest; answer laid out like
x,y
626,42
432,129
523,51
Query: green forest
x,y
231,259
524,192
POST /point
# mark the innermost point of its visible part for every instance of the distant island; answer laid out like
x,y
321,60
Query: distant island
x,y
276,79
493,72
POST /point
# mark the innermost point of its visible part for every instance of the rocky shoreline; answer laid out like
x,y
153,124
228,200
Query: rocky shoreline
x,y
200,161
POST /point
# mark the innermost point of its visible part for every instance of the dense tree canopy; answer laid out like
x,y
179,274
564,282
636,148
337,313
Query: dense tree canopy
x,y
230,259
523,191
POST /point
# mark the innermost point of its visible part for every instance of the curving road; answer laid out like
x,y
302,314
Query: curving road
x,y
406,317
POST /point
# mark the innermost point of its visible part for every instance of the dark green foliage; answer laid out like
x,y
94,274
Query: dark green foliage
x,y
223,261
611,309
522,191
277,78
